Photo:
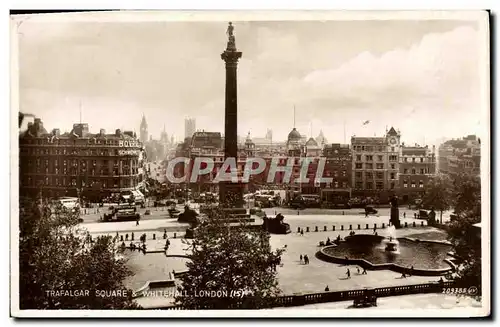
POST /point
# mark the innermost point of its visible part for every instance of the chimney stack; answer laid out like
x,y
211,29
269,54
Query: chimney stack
x,y
56,132
102,131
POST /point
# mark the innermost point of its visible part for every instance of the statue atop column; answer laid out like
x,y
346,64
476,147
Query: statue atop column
x,y
231,44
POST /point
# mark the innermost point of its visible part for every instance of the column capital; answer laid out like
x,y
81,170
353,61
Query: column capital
x,y
231,57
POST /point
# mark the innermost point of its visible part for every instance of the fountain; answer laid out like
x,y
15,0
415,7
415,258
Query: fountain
x,y
391,243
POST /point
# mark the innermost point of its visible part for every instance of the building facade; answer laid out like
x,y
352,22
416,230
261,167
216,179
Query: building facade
x,y
460,156
375,165
78,163
339,168
417,166
189,127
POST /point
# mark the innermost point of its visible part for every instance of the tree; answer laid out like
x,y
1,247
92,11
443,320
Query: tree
x,y
235,263
60,268
439,194
464,236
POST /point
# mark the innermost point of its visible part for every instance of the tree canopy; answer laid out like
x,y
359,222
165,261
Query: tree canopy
x,y
234,263
464,236
60,268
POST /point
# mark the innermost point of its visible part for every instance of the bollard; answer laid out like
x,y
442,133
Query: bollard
x,y
406,224
422,223
175,235
307,229
366,226
359,226
121,238
154,237
341,227
414,224
316,229
333,228
350,227
132,236
324,228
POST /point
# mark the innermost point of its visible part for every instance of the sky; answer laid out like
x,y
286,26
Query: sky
x,y
422,77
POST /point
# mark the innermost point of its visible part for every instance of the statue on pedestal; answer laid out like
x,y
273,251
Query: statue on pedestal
x,y
395,212
231,44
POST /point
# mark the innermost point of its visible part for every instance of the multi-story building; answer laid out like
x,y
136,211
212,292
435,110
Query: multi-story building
x,y
189,127
460,156
339,168
78,163
375,165
417,166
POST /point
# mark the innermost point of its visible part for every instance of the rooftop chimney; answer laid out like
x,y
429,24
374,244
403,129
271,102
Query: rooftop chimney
x,y
118,132
102,131
56,132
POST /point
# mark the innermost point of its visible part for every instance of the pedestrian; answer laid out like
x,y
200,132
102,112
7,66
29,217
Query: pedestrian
x,y
298,213
411,271
403,275
301,258
302,232
306,259
364,271
348,273
366,214
137,222
357,269
374,229
404,214
327,289
415,215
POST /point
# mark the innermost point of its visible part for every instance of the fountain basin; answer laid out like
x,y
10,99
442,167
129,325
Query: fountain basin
x,y
368,251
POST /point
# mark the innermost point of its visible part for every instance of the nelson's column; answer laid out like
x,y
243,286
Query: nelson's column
x,y
230,193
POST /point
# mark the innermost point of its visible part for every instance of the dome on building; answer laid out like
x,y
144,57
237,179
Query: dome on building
x,y
248,139
311,142
294,135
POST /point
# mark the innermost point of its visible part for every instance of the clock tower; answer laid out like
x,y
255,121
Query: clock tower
x,y
393,139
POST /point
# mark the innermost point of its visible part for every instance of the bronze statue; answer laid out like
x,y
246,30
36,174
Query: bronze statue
x,y
230,29
231,44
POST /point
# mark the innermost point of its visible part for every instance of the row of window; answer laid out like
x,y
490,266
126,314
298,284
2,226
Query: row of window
x,y
370,175
368,165
73,182
420,159
379,157
413,184
39,162
83,171
370,186
370,148
413,171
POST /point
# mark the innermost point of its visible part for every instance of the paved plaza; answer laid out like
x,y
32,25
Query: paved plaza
x,y
293,276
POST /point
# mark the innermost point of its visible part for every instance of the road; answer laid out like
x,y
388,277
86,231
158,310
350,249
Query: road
x,y
161,213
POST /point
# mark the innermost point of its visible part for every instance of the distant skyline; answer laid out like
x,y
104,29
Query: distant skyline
x,y
421,77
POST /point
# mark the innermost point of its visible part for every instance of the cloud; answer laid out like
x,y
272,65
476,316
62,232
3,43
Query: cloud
x,y
431,83
439,68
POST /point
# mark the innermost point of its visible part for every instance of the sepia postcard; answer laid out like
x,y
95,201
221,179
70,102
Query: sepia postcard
x,y
250,164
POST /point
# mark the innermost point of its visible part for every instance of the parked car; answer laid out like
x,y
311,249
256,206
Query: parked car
x,y
370,210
